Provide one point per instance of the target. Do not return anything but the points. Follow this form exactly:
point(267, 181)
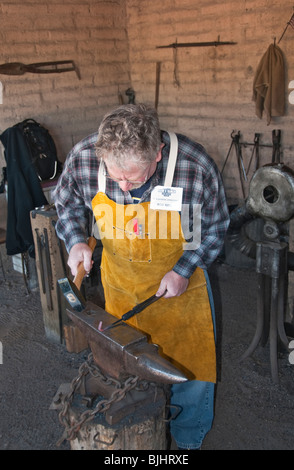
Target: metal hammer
point(71, 289)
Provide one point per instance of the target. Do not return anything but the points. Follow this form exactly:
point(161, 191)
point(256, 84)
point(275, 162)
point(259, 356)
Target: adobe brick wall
point(92, 34)
point(113, 43)
point(214, 96)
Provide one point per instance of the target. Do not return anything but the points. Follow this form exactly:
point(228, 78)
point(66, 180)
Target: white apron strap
point(101, 177)
point(173, 153)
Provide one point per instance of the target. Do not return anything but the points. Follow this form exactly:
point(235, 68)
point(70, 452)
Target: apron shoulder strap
point(101, 177)
point(173, 153)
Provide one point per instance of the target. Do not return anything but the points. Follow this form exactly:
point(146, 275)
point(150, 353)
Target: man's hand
point(173, 284)
point(80, 253)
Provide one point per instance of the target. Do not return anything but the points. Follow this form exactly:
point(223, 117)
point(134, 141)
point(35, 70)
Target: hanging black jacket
point(24, 192)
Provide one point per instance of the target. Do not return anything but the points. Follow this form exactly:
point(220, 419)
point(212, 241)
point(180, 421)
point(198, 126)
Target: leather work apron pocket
point(127, 238)
point(130, 247)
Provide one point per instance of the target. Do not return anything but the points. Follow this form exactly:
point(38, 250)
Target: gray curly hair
point(128, 134)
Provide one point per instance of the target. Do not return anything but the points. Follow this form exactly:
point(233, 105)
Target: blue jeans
point(195, 400)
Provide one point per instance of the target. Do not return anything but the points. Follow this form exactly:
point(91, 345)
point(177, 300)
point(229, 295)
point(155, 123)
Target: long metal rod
point(281, 311)
point(260, 317)
point(274, 330)
point(289, 22)
point(196, 44)
point(134, 311)
point(158, 67)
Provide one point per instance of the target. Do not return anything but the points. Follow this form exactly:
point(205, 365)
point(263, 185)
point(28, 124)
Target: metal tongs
point(137, 309)
point(59, 66)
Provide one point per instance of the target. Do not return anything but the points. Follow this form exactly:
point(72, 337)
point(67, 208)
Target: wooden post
point(135, 421)
point(147, 433)
point(50, 268)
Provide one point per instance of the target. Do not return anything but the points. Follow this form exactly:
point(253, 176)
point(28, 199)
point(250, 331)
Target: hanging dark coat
point(24, 192)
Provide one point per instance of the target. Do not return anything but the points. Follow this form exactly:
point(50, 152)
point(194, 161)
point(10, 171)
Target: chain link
point(72, 427)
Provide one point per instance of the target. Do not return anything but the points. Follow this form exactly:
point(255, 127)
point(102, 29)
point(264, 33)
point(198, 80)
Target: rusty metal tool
point(256, 152)
point(197, 44)
point(276, 137)
point(17, 68)
point(158, 69)
point(242, 172)
point(71, 289)
point(137, 309)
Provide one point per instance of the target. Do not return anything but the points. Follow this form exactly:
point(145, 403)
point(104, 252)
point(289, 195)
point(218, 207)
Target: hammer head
point(72, 294)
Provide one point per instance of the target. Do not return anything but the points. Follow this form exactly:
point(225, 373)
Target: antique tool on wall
point(276, 137)
point(242, 172)
point(60, 66)
point(238, 145)
point(197, 44)
point(291, 23)
point(157, 84)
point(255, 152)
point(176, 45)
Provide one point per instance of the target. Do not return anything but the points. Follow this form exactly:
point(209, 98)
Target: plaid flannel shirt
point(195, 172)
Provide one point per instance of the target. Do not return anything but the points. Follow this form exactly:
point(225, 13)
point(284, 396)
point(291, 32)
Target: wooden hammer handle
point(81, 270)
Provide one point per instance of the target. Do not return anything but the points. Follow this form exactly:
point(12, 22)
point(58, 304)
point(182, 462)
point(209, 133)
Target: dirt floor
point(251, 412)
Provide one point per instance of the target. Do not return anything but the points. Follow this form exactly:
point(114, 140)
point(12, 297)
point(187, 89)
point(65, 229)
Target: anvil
point(123, 351)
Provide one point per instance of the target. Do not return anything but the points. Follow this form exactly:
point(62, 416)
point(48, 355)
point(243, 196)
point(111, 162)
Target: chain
point(72, 427)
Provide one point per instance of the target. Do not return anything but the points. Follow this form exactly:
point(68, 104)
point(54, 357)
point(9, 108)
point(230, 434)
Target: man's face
point(134, 176)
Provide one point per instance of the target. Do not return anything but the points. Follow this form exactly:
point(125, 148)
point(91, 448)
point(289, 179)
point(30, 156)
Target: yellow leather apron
point(133, 264)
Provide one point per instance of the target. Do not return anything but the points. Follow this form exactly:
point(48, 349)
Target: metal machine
point(271, 199)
